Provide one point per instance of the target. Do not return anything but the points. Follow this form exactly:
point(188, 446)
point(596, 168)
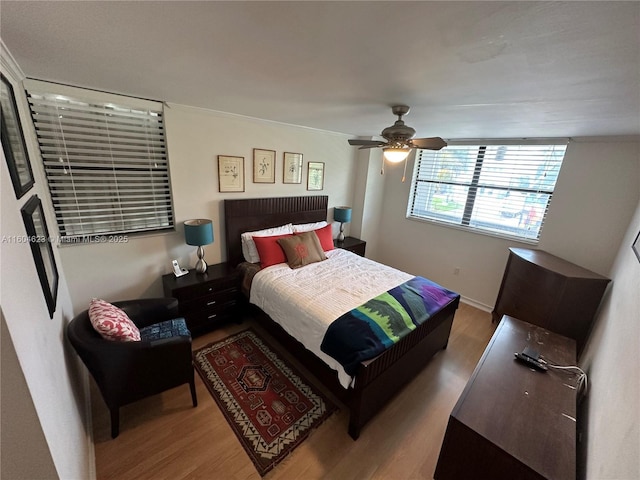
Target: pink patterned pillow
point(111, 322)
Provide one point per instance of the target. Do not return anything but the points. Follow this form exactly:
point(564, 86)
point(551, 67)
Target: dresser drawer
point(203, 320)
point(213, 301)
point(204, 289)
point(223, 310)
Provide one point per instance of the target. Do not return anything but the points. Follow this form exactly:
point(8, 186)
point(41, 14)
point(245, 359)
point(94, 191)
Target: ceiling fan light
point(395, 155)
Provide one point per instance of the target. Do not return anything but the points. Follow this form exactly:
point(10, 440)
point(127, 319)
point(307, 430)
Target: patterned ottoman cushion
point(167, 329)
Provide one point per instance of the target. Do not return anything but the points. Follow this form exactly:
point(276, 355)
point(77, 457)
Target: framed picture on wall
point(292, 168)
point(264, 166)
point(230, 173)
point(315, 175)
point(13, 144)
point(40, 242)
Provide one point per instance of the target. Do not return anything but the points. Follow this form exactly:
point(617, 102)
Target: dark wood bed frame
point(377, 380)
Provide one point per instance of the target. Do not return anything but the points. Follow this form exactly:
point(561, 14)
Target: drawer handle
point(212, 316)
point(210, 303)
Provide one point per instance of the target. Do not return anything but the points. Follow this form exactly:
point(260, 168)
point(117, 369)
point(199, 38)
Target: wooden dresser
point(545, 290)
point(513, 422)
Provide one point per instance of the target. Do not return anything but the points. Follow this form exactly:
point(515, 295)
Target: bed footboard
point(380, 379)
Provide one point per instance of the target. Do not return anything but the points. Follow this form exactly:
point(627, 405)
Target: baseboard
point(476, 304)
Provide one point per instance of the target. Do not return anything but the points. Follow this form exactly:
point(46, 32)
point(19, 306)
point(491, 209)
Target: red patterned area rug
point(269, 405)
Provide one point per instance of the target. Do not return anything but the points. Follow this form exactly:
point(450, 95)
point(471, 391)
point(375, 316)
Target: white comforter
point(306, 300)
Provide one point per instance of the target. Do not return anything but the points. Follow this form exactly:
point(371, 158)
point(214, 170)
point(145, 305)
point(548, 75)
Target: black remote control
point(530, 361)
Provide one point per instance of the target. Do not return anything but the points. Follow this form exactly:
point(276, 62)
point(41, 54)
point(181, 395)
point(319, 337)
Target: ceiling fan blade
point(370, 143)
point(382, 144)
point(432, 143)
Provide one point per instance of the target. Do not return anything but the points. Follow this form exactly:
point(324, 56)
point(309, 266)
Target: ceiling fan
point(399, 139)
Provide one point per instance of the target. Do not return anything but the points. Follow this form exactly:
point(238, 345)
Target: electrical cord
point(582, 376)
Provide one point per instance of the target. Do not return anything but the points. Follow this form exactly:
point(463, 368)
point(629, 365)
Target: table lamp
point(342, 215)
point(199, 232)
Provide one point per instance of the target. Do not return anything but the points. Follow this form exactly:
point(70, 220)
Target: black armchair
point(129, 371)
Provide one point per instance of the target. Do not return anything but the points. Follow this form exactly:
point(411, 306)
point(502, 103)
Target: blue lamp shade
point(342, 214)
point(198, 232)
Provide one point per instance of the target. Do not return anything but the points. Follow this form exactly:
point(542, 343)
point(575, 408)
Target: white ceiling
point(467, 69)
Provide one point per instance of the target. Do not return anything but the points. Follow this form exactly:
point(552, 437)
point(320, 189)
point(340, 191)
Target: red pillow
point(325, 235)
point(269, 250)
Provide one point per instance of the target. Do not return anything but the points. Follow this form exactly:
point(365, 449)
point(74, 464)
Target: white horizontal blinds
point(515, 187)
point(442, 183)
point(105, 161)
point(501, 189)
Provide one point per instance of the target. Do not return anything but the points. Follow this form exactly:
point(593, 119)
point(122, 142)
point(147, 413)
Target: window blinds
point(105, 160)
point(501, 189)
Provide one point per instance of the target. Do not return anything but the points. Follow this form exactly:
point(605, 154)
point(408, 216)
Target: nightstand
point(207, 299)
point(352, 244)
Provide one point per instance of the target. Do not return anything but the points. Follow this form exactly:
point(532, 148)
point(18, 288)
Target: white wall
point(611, 359)
point(368, 198)
point(21, 434)
point(56, 381)
point(194, 138)
point(595, 197)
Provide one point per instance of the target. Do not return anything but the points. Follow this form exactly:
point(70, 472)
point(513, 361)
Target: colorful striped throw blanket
point(371, 328)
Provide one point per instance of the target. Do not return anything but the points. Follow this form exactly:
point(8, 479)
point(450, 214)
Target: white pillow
point(307, 227)
point(249, 249)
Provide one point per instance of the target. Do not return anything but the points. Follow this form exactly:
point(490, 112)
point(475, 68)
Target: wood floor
point(164, 437)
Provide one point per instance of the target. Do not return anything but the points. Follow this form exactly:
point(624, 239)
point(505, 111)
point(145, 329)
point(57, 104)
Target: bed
point(374, 381)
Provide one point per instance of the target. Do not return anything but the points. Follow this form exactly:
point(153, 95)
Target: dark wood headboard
point(251, 214)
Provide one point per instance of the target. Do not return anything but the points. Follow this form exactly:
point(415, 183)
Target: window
point(499, 189)
point(105, 161)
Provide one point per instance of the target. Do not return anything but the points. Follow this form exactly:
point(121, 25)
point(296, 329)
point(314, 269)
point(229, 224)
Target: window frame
point(474, 185)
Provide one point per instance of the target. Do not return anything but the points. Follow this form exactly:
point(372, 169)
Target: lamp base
point(341, 234)
point(201, 265)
